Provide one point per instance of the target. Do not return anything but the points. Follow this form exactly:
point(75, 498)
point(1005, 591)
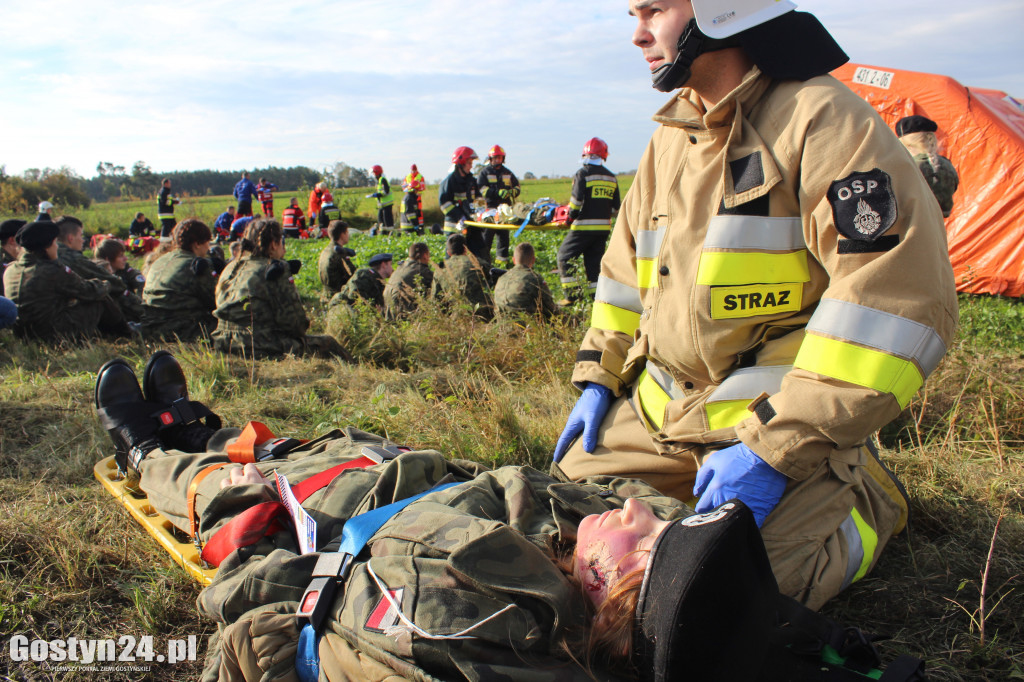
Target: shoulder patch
point(863, 205)
point(199, 266)
point(275, 270)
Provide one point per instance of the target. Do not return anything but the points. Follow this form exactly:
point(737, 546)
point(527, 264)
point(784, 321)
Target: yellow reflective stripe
point(862, 366)
point(614, 318)
point(869, 539)
point(718, 268)
point(578, 227)
point(653, 399)
point(726, 413)
point(756, 299)
point(646, 274)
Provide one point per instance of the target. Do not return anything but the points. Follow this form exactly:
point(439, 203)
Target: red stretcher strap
point(265, 518)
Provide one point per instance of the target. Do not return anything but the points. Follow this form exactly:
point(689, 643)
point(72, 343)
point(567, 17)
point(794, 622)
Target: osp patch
point(384, 615)
point(863, 205)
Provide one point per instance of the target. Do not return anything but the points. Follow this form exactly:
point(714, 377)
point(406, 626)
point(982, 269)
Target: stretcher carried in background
point(174, 541)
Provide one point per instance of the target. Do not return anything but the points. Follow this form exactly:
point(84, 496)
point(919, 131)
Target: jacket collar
point(686, 110)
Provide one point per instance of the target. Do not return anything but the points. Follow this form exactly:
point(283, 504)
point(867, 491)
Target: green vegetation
point(73, 564)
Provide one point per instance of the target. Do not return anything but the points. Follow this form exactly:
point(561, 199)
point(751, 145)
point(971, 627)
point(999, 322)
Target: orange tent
point(982, 133)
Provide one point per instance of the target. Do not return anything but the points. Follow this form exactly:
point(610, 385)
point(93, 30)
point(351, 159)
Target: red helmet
point(496, 150)
point(414, 169)
point(597, 147)
point(462, 155)
point(378, 171)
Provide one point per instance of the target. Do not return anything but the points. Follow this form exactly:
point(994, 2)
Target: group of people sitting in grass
point(247, 305)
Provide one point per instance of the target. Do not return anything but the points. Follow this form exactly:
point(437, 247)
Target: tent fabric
point(982, 132)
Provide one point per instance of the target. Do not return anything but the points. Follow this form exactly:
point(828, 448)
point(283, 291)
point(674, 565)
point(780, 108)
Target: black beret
point(379, 258)
point(915, 124)
point(455, 240)
point(9, 228)
point(37, 236)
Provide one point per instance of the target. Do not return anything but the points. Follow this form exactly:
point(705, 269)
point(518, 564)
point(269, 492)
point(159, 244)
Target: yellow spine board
point(496, 226)
point(184, 553)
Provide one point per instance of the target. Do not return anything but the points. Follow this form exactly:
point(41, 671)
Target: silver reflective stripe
point(618, 294)
point(648, 242)
point(605, 178)
point(884, 331)
point(750, 382)
point(754, 232)
point(593, 221)
point(663, 379)
point(854, 548)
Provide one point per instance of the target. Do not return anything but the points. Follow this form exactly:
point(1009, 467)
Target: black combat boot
point(186, 425)
point(126, 415)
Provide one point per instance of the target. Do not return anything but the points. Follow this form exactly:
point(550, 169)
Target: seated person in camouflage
point(70, 242)
point(504, 574)
point(411, 281)
point(521, 291)
point(53, 302)
point(9, 249)
point(179, 296)
point(258, 308)
point(918, 135)
point(112, 251)
point(335, 264)
point(462, 277)
point(367, 284)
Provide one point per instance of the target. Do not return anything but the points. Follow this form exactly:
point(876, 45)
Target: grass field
point(73, 564)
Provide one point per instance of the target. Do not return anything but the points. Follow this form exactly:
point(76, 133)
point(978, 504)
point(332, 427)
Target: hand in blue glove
point(585, 418)
point(738, 472)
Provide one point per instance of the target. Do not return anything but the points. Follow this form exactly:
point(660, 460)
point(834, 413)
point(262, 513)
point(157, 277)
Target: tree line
point(20, 194)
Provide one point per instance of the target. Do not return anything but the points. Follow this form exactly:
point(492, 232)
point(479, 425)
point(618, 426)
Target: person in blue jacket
point(244, 192)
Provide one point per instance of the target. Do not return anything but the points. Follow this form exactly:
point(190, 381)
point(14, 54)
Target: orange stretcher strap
point(243, 449)
point(190, 500)
point(264, 519)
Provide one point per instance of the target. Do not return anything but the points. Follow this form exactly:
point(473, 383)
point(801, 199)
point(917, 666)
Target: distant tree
point(344, 175)
point(529, 176)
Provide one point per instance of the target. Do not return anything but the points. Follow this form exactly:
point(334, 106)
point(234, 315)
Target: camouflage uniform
point(410, 281)
point(943, 181)
point(54, 303)
point(133, 280)
point(5, 260)
point(260, 313)
point(452, 559)
point(130, 304)
point(179, 297)
point(461, 278)
point(365, 284)
point(335, 267)
point(521, 290)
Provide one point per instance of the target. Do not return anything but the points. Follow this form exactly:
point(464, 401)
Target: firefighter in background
point(294, 220)
point(412, 203)
point(594, 200)
point(456, 194)
point(497, 185)
point(316, 199)
point(384, 197)
point(165, 203)
point(265, 194)
point(328, 213)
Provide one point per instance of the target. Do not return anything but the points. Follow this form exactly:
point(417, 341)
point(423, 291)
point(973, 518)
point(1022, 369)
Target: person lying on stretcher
point(482, 574)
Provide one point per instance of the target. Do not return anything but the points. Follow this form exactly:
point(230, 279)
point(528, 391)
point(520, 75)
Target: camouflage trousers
point(827, 531)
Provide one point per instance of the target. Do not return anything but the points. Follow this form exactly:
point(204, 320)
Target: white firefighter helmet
point(724, 18)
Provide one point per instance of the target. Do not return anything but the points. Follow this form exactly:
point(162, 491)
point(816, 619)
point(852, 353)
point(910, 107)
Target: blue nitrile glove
point(737, 471)
point(585, 417)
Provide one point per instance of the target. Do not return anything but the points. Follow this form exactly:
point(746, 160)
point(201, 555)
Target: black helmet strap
point(692, 43)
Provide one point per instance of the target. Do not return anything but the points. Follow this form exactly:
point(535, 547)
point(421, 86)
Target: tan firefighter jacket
point(782, 244)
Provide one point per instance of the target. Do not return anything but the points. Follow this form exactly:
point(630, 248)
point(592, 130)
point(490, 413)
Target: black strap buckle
point(330, 570)
point(178, 412)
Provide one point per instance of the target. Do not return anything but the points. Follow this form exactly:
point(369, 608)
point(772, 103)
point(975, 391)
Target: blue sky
point(211, 84)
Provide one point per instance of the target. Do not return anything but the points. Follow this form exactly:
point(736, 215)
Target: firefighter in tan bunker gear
point(754, 321)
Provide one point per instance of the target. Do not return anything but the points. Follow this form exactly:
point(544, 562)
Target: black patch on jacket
point(588, 356)
point(764, 411)
point(755, 207)
point(199, 266)
point(275, 270)
point(880, 245)
point(863, 205)
point(747, 173)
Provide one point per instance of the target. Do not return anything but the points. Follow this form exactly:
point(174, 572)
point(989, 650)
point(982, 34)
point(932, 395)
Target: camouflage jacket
point(460, 278)
point(410, 281)
point(259, 310)
point(53, 302)
point(129, 303)
point(335, 268)
point(521, 290)
point(450, 559)
point(365, 284)
point(5, 260)
point(179, 297)
point(943, 181)
point(133, 280)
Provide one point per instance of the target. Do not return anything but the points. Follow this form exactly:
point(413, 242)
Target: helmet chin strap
point(692, 44)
